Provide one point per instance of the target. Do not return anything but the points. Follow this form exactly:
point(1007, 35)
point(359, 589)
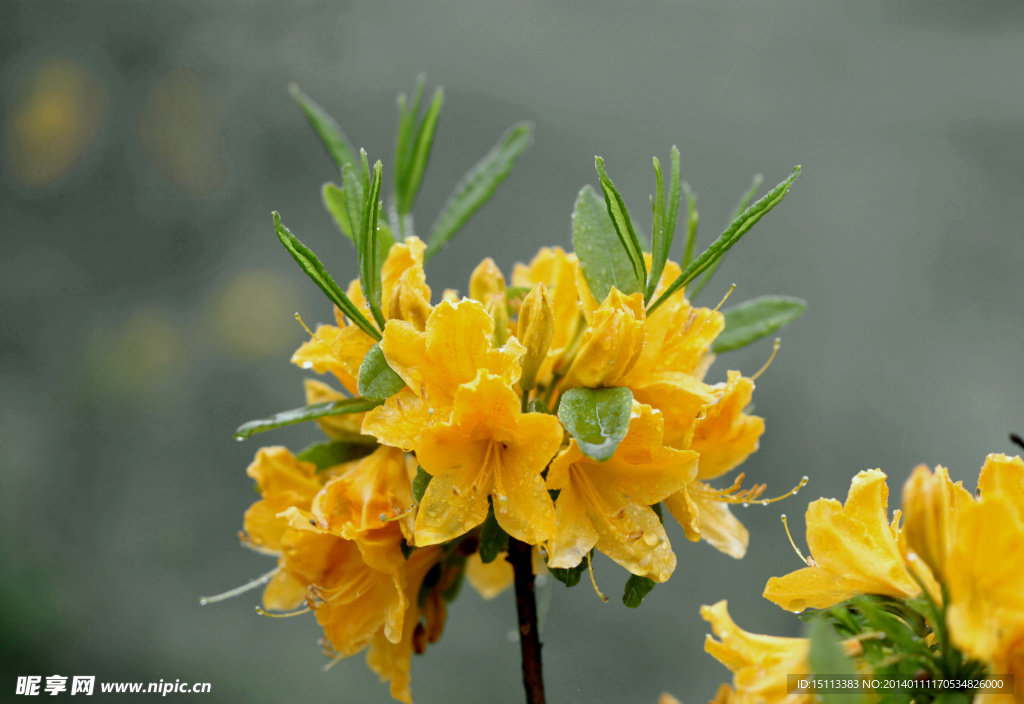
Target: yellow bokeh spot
point(251, 317)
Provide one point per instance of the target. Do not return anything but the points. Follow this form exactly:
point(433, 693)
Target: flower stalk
point(520, 555)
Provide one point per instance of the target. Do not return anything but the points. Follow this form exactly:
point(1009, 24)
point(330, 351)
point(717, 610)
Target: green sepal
point(377, 380)
point(306, 413)
point(739, 227)
point(369, 268)
point(334, 452)
point(570, 577)
point(420, 483)
point(636, 589)
point(537, 405)
point(756, 318)
point(598, 419)
point(493, 538)
point(334, 140)
point(741, 205)
point(309, 263)
point(623, 225)
point(603, 260)
point(826, 659)
point(478, 185)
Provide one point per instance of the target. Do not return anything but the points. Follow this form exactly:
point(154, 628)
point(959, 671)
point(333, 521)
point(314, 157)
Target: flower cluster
point(939, 598)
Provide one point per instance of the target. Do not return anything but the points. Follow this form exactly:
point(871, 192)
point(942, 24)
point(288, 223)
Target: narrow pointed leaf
point(826, 657)
point(309, 263)
point(672, 206)
point(493, 538)
point(478, 185)
point(353, 186)
point(306, 413)
point(623, 225)
point(330, 454)
point(404, 141)
point(692, 221)
point(598, 419)
point(377, 380)
point(741, 205)
point(661, 238)
point(334, 201)
point(753, 319)
point(420, 155)
point(602, 257)
point(636, 589)
point(334, 140)
point(569, 577)
point(369, 268)
point(739, 227)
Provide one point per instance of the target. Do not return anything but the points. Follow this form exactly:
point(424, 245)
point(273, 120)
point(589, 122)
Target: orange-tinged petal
point(339, 427)
point(449, 510)
point(489, 579)
point(680, 398)
point(611, 344)
point(1005, 474)
point(283, 481)
point(683, 507)
point(726, 436)
point(368, 496)
point(349, 348)
point(284, 592)
point(704, 517)
point(319, 354)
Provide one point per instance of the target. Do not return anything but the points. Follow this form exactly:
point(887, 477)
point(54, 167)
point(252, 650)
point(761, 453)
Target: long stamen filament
point(775, 351)
point(793, 542)
point(263, 612)
point(590, 568)
point(259, 581)
point(384, 518)
point(724, 299)
point(311, 333)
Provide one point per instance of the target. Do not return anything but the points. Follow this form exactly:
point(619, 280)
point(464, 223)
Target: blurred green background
point(146, 306)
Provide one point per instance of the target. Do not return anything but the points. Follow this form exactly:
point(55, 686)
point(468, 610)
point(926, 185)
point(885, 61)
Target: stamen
point(775, 351)
point(398, 516)
point(793, 543)
point(306, 328)
point(204, 600)
point(334, 661)
point(263, 612)
point(590, 568)
point(724, 298)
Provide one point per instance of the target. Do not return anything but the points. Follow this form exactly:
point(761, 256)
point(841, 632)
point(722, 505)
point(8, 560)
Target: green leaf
point(692, 221)
point(353, 200)
point(602, 258)
point(741, 205)
point(404, 140)
point(420, 483)
point(301, 415)
point(739, 227)
point(330, 454)
point(664, 222)
point(569, 577)
point(493, 538)
point(827, 659)
point(752, 320)
point(420, 153)
point(636, 589)
point(309, 263)
point(623, 225)
point(334, 140)
point(598, 419)
point(334, 201)
point(478, 185)
point(369, 265)
point(377, 380)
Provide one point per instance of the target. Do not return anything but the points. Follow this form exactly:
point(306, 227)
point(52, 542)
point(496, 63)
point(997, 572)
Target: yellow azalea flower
point(391, 659)
point(854, 550)
point(931, 507)
point(611, 344)
point(607, 504)
point(489, 447)
point(557, 271)
point(343, 427)
point(454, 346)
point(283, 481)
point(760, 664)
point(724, 437)
point(489, 579)
point(535, 329)
point(486, 281)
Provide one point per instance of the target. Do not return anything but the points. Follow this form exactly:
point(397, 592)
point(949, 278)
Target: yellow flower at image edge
point(488, 448)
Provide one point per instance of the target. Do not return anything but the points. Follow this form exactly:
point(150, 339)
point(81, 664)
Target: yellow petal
point(680, 398)
point(283, 481)
point(448, 510)
point(399, 421)
point(931, 505)
point(611, 344)
point(338, 427)
point(486, 281)
point(575, 535)
point(726, 436)
point(319, 354)
point(489, 579)
point(1005, 474)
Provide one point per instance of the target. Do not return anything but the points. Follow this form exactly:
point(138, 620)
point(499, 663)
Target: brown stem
point(521, 556)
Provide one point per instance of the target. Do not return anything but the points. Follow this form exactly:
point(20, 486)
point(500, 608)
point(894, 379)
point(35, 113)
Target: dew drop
point(745, 504)
point(307, 365)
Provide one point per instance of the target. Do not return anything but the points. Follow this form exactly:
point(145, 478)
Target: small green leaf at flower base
point(334, 201)
point(327, 129)
point(636, 589)
point(569, 577)
point(493, 538)
point(377, 380)
point(306, 413)
point(330, 454)
point(756, 318)
point(827, 659)
point(478, 185)
point(598, 419)
point(420, 483)
point(603, 259)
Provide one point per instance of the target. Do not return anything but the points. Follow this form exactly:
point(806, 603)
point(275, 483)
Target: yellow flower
point(986, 588)
point(344, 427)
point(489, 447)
point(283, 481)
point(760, 664)
point(454, 346)
point(611, 345)
point(489, 579)
point(931, 506)
point(486, 281)
point(724, 437)
point(607, 504)
point(535, 329)
point(854, 550)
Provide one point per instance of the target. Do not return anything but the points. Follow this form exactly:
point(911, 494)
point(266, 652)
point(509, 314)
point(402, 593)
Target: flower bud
point(497, 308)
point(486, 281)
point(535, 330)
point(407, 303)
point(930, 502)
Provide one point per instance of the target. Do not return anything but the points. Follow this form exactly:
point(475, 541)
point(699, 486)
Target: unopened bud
point(535, 330)
point(486, 281)
point(407, 303)
point(497, 308)
point(930, 502)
